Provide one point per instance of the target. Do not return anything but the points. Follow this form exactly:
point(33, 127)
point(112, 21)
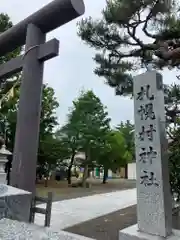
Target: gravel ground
point(61, 191)
point(107, 227)
point(102, 228)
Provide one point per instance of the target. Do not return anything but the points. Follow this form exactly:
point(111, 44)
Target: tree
point(9, 102)
point(89, 120)
point(121, 46)
point(48, 118)
point(172, 106)
point(5, 24)
point(49, 147)
point(48, 121)
point(48, 156)
point(69, 137)
point(114, 153)
point(9, 107)
point(127, 130)
point(174, 163)
point(5, 85)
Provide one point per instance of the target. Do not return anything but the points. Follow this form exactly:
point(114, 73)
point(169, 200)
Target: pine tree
point(130, 35)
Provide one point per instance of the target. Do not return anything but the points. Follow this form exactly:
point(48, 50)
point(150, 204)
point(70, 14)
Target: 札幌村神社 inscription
point(31, 32)
point(153, 192)
point(147, 154)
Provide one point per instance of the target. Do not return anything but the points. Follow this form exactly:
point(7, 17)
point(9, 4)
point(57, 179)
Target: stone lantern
point(4, 153)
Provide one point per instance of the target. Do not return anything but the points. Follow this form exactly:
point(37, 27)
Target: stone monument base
point(132, 233)
point(14, 230)
point(14, 203)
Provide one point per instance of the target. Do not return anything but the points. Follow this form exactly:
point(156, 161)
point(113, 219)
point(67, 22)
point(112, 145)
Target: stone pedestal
point(14, 203)
point(3, 159)
point(14, 230)
point(132, 233)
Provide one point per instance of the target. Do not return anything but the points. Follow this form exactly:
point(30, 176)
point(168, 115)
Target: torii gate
point(32, 32)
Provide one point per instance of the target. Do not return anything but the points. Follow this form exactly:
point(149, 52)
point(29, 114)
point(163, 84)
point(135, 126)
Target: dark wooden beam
point(11, 67)
point(45, 52)
point(48, 50)
point(50, 17)
point(24, 162)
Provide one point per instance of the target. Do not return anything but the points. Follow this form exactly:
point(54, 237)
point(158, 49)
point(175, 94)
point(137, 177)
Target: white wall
point(131, 170)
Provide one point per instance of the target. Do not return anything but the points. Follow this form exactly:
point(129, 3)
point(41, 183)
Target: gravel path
point(67, 213)
point(61, 191)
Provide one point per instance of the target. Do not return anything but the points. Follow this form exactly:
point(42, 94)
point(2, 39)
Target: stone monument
point(154, 200)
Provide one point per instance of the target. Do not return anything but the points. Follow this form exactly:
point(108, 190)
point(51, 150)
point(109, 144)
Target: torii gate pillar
point(32, 32)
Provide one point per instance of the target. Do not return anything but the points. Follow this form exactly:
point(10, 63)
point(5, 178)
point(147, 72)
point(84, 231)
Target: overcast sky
point(73, 69)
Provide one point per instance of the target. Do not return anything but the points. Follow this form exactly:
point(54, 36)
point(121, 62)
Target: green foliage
point(67, 145)
point(68, 136)
point(120, 46)
point(114, 153)
point(48, 121)
point(8, 116)
point(49, 153)
point(127, 131)
point(174, 163)
point(86, 129)
point(172, 104)
point(91, 121)
point(5, 24)
point(48, 113)
point(8, 110)
point(172, 107)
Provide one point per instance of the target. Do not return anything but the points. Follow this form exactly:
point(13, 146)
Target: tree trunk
point(70, 168)
point(69, 174)
point(126, 171)
point(105, 175)
point(47, 176)
point(85, 176)
point(46, 182)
